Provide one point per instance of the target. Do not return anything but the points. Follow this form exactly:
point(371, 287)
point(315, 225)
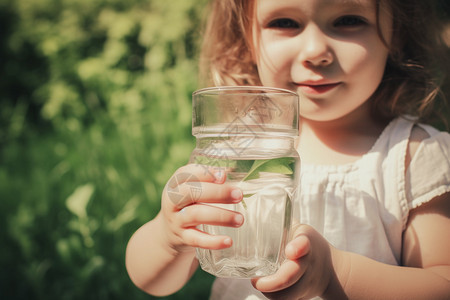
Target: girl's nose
point(314, 48)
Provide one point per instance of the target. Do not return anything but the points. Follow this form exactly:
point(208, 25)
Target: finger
point(195, 215)
point(289, 273)
point(199, 239)
point(196, 173)
point(192, 192)
point(298, 247)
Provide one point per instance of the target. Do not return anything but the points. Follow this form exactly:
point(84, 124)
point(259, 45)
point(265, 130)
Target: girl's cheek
point(273, 60)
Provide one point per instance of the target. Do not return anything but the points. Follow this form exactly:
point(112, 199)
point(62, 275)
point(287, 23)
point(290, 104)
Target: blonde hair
point(414, 70)
point(227, 50)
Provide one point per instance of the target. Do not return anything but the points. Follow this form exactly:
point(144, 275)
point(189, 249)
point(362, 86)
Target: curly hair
point(414, 71)
point(227, 50)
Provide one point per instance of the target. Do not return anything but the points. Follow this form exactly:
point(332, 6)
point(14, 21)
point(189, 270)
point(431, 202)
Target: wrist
point(341, 266)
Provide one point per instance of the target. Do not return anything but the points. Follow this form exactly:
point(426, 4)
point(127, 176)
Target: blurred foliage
point(95, 117)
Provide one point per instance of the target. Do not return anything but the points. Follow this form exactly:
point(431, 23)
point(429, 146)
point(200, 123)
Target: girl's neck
point(340, 141)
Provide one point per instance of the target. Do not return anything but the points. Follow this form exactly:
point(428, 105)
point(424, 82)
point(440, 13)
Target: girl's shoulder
point(418, 134)
point(415, 142)
point(427, 163)
point(414, 160)
point(406, 130)
point(425, 140)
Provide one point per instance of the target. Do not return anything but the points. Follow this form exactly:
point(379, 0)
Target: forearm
point(359, 277)
point(155, 267)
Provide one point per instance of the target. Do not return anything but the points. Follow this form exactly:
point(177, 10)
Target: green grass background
point(95, 115)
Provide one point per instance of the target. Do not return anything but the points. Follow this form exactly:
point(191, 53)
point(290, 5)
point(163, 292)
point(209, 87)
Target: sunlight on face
point(329, 51)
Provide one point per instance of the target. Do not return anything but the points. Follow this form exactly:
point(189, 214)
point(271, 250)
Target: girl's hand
point(307, 270)
point(184, 206)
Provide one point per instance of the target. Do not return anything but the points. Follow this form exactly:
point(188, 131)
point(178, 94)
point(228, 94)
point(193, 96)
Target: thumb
point(298, 247)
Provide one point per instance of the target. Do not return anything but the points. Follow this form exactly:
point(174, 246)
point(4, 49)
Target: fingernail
point(238, 219)
point(292, 252)
point(219, 175)
point(227, 242)
point(236, 194)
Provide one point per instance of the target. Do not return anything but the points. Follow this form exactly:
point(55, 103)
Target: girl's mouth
point(316, 89)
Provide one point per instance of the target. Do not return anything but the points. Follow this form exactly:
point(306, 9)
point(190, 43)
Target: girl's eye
point(350, 21)
point(283, 23)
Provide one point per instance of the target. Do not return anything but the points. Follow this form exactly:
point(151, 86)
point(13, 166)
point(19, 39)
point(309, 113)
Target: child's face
point(328, 51)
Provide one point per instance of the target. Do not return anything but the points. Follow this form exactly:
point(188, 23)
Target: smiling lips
point(316, 88)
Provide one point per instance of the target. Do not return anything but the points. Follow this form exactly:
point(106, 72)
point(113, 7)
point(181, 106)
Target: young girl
point(375, 184)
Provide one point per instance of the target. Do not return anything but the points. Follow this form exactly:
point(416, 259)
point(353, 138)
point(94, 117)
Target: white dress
point(363, 207)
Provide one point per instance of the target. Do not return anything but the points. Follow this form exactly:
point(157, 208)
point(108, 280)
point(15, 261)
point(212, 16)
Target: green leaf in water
point(243, 202)
point(243, 165)
point(276, 165)
point(280, 165)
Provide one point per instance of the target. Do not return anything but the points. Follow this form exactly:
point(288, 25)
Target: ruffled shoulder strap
point(428, 175)
point(393, 143)
point(394, 139)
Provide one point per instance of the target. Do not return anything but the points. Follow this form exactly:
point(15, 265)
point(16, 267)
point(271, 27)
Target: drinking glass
point(248, 132)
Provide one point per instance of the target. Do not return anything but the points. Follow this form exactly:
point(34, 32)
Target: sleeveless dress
point(362, 207)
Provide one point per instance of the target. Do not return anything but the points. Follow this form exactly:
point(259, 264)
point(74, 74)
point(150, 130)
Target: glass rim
point(243, 89)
